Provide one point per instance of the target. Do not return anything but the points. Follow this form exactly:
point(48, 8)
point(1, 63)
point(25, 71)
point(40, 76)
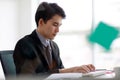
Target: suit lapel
point(54, 55)
point(42, 57)
point(41, 49)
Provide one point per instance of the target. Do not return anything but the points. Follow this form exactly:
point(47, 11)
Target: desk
point(38, 77)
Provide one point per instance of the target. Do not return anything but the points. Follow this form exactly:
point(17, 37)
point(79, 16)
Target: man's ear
point(41, 22)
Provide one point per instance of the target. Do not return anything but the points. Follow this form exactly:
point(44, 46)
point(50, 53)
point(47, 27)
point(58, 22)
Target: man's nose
point(57, 29)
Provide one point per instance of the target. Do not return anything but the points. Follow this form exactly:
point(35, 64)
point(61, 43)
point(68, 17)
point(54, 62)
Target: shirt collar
point(42, 39)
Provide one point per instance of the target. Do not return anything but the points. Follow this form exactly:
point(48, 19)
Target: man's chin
point(51, 38)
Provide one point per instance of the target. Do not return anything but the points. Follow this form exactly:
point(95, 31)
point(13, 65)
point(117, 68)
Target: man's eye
point(55, 24)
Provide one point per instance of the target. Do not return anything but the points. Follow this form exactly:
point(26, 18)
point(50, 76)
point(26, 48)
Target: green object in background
point(103, 35)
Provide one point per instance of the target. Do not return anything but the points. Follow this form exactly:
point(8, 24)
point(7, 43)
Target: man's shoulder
point(25, 46)
point(24, 39)
point(28, 38)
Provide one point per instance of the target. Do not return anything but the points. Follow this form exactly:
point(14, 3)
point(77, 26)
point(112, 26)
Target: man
point(37, 53)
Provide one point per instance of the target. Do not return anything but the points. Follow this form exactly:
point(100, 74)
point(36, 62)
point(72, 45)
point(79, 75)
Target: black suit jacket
point(29, 59)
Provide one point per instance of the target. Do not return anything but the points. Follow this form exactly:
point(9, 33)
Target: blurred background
point(82, 16)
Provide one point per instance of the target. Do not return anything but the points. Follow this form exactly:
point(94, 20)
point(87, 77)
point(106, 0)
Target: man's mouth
point(54, 34)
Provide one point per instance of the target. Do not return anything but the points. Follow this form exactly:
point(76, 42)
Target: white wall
point(15, 21)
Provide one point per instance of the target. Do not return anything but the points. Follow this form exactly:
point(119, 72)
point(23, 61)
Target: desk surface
point(109, 76)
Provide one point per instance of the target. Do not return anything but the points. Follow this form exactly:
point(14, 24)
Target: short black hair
point(47, 10)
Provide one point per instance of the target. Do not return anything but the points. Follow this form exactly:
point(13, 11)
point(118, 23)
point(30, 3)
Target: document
point(59, 76)
point(95, 73)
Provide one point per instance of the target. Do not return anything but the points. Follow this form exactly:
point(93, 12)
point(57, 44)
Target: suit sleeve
point(22, 58)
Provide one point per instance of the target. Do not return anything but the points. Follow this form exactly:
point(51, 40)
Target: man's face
point(50, 29)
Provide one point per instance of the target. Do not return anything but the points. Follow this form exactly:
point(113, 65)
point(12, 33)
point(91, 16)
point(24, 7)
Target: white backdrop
point(15, 21)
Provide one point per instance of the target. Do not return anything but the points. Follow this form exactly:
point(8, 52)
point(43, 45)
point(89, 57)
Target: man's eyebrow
point(57, 23)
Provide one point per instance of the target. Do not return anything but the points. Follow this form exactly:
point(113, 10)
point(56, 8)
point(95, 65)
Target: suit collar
point(35, 37)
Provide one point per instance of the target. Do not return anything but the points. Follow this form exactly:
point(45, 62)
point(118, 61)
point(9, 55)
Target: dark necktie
point(48, 56)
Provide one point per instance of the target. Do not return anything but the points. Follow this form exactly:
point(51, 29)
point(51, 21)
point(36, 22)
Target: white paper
point(95, 73)
point(59, 76)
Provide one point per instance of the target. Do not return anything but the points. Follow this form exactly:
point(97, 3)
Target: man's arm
point(81, 69)
point(23, 58)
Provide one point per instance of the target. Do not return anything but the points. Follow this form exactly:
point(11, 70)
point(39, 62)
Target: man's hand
point(80, 69)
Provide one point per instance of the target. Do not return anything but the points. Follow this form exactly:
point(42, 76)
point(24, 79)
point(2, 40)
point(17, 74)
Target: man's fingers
point(91, 67)
point(87, 68)
point(83, 68)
